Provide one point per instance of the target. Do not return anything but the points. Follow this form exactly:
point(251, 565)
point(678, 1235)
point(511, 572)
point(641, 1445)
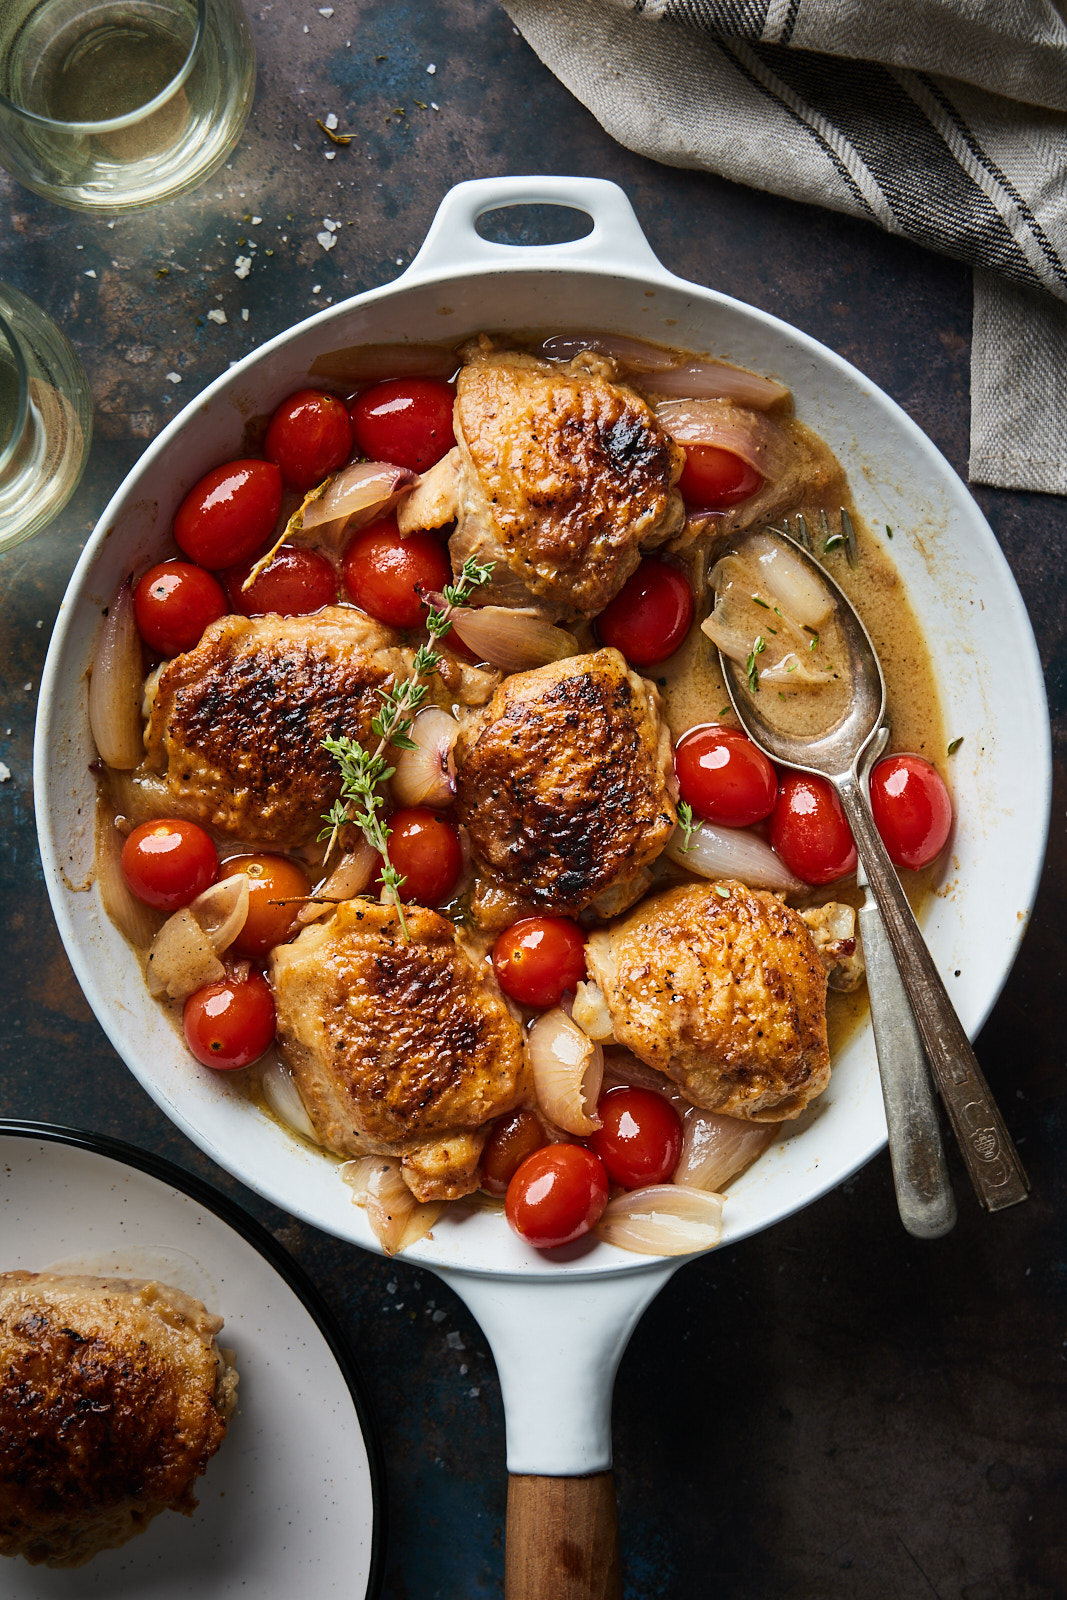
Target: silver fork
point(827, 539)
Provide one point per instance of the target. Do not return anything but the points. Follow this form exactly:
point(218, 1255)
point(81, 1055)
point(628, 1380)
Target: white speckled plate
point(292, 1503)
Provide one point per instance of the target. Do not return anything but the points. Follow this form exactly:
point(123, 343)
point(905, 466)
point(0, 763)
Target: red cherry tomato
point(715, 478)
point(168, 862)
point(309, 437)
point(426, 851)
point(271, 879)
point(809, 829)
point(723, 776)
point(640, 1137)
point(230, 1023)
point(513, 1138)
point(296, 583)
point(538, 959)
point(556, 1195)
point(650, 615)
point(231, 512)
point(912, 810)
point(406, 421)
point(381, 571)
point(173, 604)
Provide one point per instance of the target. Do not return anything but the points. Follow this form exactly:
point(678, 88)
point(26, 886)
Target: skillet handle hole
point(534, 225)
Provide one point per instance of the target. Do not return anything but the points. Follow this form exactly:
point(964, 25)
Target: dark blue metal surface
point(832, 1409)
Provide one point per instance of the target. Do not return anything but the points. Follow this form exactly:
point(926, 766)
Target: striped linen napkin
point(942, 120)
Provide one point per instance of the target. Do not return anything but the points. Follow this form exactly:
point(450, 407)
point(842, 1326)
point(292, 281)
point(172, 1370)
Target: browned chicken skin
point(398, 1048)
point(113, 1398)
point(237, 724)
point(563, 782)
point(561, 478)
point(721, 988)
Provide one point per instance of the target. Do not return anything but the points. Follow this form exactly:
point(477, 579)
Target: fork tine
point(803, 536)
point(850, 537)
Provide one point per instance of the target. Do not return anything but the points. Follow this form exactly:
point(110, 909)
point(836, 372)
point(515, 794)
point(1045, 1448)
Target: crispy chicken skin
point(560, 477)
point(237, 724)
point(563, 783)
point(725, 993)
point(114, 1396)
point(398, 1048)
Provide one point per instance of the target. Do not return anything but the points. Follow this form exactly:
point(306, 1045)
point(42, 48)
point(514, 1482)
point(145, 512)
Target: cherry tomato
point(538, 959)
point(723, 776)
point(167, 863)
point(513, 1138)
point(270, 879)
point(230, 1023)
point(640, 1137)
point(381, 571)
point(912, 810)
point(173, 604)
point(309, 437)
point(650, 615)
point(296, 583)
point(556, 1195)
point(229, 514)
point(426, 851)
point(715, 478)
point(406, 421)
point(809, 829)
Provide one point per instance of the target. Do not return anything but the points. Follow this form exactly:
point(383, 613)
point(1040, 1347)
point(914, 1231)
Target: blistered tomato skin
point(810, 831)
point(426, 851)
point(229, 514)
point(557, 1195)
point(513, 1138)
point(276, 885)
point(715, 479)
point(912, 810)
point(297, 583)
point(168, 862)
point(383, 572)
point(231, 1023)
point(640, 1136)
point(309, 437)
point(173, 603)
point(650, 616)
point(724, 777)
point(405, 421)
point(539, 959)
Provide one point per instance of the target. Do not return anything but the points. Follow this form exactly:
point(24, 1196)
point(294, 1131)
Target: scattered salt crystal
point(464, 1369)
point(90, 273)
point(244, 314)
point(390, 1287)
point(111, 224)
point(329, 154)
point(474, 1393)
point(242, 266)
point(217, 315)
point(174, 377)
point(315, 287)
point(400, 261)
point(434, 106)
point(218, 297)
point(5, 772)
point(256, 221)
point(326, 11)
point(326, 240)
point(454, 1341)
point(438, 1316)
point(79, 247)
point(27, 687)
point(305, 27)
point(331, 121)
point(296, 147)
point(431, 69)
point(328, 222)
point(39, 623)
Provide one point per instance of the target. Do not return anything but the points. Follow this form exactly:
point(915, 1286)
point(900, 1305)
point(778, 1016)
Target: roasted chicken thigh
point(564, 784)
point(114, 1396)
point(721, 988)
point(398, 1047)
point(560, 478)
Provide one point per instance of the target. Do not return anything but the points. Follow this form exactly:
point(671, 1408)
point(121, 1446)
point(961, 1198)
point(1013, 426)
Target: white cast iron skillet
point(558, 1324)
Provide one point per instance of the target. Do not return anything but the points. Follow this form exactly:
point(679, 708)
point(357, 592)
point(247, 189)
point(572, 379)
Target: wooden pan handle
point(562, 1539)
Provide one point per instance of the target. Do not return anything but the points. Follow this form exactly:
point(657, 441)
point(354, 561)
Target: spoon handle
point(990, 1156)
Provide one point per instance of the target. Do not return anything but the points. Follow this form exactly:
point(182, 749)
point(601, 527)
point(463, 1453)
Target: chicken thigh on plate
point(561, 478)
point(564, 783)
point(720, 987)
point(402, 1047)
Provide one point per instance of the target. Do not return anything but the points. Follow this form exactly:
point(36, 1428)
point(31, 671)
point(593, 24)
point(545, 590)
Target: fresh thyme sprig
point(363, 772)
point(758, 647)
point(687, 825)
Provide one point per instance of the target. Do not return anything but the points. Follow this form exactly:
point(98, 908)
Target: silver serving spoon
point(837, 754)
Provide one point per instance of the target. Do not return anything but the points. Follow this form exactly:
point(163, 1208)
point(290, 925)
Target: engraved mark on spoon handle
point(990, 1156)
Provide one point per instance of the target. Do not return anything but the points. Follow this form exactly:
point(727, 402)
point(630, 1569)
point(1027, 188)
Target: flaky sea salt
point(5, 772)
point(331, 121)
point(216, 314)
point(174, 377)
point(326, 240)
point(431, 69)
point(242, 266)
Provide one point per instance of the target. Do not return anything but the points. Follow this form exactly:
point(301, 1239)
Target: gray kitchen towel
point(941, 120)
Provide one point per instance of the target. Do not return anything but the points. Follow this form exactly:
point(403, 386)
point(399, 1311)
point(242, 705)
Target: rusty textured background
point(832, 1410)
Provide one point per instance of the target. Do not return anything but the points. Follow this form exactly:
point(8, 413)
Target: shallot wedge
point(514, 639)
point(663, 374)
point(138, 922)
point(663, 1220)
point(352, 497)
point(423, 776)
point(222, 910)
point(757, 439)
point(397, 1219)
point(182, 958)
point(716, 1149)
point(568, 1068)
point(283, 1098)
point(353, 874)
point(116, 688)
point(715, 852)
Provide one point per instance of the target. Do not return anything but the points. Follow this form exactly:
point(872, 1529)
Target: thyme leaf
point(758, 647)
point(687, 825)
point(954, 746)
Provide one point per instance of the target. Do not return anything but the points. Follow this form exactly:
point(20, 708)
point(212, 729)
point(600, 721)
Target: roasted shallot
point(763, 443)
point(512, 638)
point(137, 921)
point(663, 1220)
point(568, 1068)
point(115, 686)
point(716, 852)
point(715, 1149)
point(397, 1219)
point(663, 374)
point(182, 958)
point(353, 874)
point(283, 1098)
point(423, 775)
